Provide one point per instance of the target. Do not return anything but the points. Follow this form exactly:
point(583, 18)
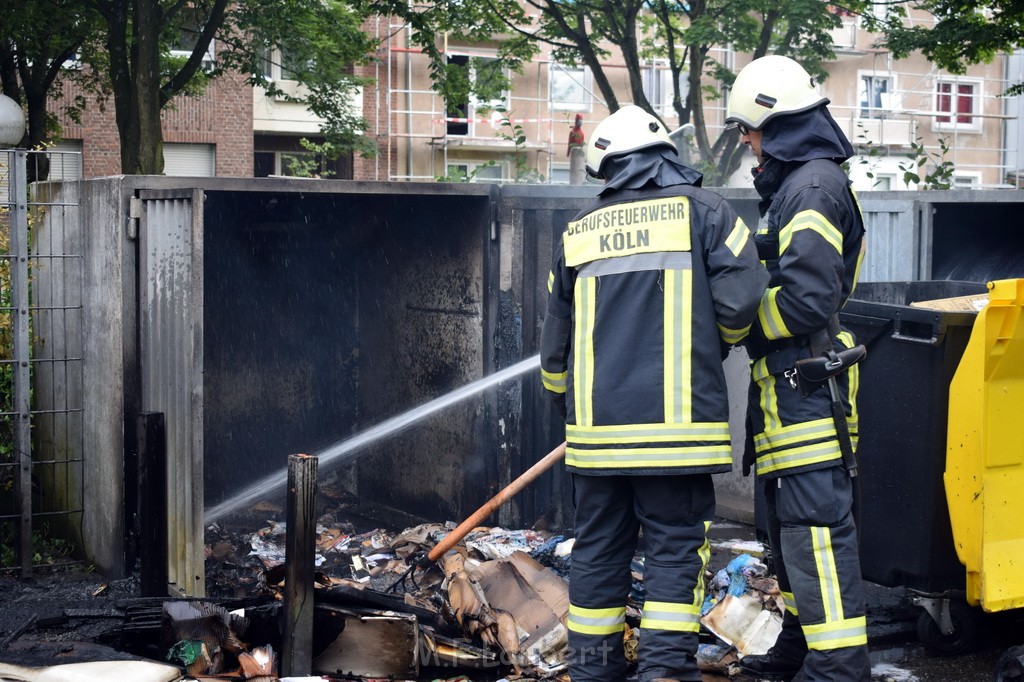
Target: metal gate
point(40, 360)
point(171, 365)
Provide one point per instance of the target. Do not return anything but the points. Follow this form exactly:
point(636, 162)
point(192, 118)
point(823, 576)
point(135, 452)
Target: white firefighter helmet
point(769, 87)
point(627, 130)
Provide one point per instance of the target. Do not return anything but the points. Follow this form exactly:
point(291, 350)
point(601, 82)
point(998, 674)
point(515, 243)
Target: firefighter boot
point(783, 661)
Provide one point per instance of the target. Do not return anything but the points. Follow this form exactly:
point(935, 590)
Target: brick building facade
point(221, 120)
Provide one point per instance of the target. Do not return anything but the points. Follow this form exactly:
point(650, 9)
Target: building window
point(185, 41)
point(280, 64)
point(487, 80)
point(878, 10)
point(560, 174)
point(956, 104)
point(476, 171)
point(657, 81)
point(966, 180)
point(295, 163)
point(875, 95)
point(569, 88)
point(884, 183)
point(189, 160)
point(65, 160)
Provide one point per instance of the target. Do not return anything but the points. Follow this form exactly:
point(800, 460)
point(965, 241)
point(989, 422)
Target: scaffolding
point(903, 124)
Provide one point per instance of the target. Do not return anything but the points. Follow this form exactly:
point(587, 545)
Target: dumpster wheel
point(964, 620)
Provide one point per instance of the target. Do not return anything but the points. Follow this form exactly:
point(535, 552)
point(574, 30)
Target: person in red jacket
point(576, 136)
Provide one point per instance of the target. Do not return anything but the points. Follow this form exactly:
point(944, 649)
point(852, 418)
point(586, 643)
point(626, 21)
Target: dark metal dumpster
point(903, 405)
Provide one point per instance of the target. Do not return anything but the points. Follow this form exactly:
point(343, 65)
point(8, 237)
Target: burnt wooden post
point(300, 557)
point(151, 437)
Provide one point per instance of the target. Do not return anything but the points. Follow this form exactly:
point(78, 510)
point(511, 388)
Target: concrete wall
point(109, 369)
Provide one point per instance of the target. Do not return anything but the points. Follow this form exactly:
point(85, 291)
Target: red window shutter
point(965, 103)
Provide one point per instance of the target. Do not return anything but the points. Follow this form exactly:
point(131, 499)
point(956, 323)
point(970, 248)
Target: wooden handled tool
point(488, 508)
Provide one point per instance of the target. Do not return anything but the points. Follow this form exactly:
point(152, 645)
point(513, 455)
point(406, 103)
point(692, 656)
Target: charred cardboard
point(531, 604)
point(971, 304)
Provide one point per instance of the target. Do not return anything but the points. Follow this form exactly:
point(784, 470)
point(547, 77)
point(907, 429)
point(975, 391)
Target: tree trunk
point(39, 168)
point(147, 158)
point(121, 81)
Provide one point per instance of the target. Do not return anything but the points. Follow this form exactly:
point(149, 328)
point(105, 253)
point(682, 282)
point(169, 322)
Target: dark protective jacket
point(811, 239)
point(648, 287)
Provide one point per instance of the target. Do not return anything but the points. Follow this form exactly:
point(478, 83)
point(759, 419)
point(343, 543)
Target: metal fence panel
point(171, 365)
point(40, 360)
point(893, 252)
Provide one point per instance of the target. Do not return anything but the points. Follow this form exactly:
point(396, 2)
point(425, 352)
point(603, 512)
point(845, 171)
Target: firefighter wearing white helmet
point(628, 130)
point(804, 433)
point(650, 285)
point(769, 87)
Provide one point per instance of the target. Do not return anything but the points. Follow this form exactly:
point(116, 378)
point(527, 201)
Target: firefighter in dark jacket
point(650, 286)
point(811, 238)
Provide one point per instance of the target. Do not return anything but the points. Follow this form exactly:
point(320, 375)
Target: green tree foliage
point(40, 37)
point(123, 49)
point(126, 46)
point(964, 33)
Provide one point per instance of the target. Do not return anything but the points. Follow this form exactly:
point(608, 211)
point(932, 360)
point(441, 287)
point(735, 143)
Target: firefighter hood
point(804, 136)
point(656, 167)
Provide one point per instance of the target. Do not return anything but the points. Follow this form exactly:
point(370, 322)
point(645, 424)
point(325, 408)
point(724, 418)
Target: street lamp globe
point(12, 122)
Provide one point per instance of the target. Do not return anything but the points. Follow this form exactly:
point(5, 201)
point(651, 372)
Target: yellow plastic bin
point(984, 477)
point(985, 452)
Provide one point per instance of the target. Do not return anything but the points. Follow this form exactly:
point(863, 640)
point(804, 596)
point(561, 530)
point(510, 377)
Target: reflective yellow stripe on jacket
point(678, 346)
point(648, 445)
point(585, 301)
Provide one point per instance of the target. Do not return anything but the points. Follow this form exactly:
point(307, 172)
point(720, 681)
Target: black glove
point(749, 454)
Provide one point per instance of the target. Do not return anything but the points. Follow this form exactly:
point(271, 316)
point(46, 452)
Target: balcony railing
point(844, 38)
point(885, 132)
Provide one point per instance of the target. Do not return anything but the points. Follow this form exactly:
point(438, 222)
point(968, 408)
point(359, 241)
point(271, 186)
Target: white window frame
point(471, 165)
point(207, 58)
point(878, 9)
point(891, 179)
point(888, 104)
point(478, 106)
point(274, 58)
point(966, 180)
point(976, 99)
point(582, 77)
point(658, 76)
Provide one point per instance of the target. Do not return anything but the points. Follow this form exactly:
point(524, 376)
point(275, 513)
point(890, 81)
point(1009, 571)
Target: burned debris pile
point(489, 604)
point(495, 603)
point(492, 608)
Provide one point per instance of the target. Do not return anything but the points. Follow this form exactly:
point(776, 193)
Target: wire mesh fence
point(41, 411)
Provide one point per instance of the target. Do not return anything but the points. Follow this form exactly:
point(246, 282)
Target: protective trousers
point(674, 513)
point(814, 539)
